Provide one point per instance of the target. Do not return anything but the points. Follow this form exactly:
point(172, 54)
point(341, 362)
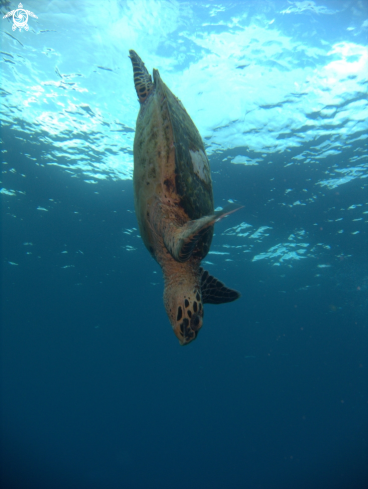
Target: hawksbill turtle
point(174, 202)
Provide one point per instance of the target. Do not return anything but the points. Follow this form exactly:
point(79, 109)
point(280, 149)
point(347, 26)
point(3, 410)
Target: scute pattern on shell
point(193, 176)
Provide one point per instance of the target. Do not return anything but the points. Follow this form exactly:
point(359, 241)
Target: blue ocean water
point(96, 390)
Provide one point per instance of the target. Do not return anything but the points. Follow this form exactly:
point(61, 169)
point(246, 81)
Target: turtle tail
point(142, 79)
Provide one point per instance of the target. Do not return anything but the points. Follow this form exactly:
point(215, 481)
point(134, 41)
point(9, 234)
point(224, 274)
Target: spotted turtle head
point(185, 311)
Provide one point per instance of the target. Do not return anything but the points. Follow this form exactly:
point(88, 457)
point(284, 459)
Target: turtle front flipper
point(181, 241)
point(142, 79)
point(215, 292)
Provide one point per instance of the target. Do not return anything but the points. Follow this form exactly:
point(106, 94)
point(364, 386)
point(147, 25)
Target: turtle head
point(185, 311)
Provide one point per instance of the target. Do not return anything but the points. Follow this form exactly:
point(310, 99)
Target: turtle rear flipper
point(181, 241)
point(142, 79)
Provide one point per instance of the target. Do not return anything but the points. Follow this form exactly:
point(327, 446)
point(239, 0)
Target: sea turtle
point(174, 202)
